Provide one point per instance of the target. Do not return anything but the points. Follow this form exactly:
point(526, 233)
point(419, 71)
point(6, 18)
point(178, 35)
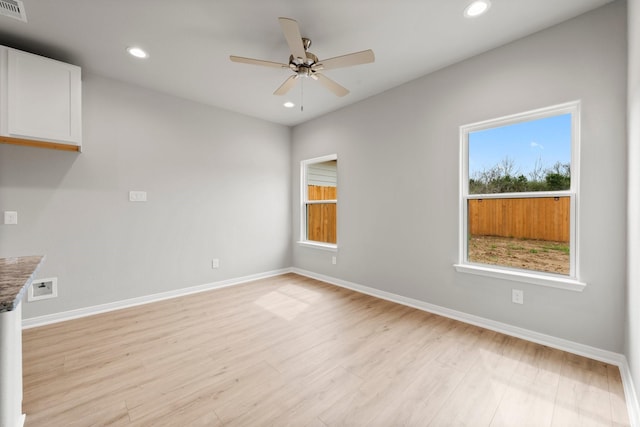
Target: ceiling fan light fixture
point(289, 104)
point(477, 8)
point(137, 52)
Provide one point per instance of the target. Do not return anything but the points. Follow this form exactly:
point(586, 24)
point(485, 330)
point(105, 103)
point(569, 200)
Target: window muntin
point(518, 187)
point(319, 201)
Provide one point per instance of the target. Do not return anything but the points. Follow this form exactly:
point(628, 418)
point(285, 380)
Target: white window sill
point(541, 279)
point(319, 245)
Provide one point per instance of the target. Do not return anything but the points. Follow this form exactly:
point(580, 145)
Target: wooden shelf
point(39, 144)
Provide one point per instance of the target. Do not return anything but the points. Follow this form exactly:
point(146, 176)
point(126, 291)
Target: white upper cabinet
point(40, 98)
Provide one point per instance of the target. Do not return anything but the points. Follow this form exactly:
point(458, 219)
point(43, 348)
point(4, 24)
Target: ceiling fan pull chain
point(302, 96)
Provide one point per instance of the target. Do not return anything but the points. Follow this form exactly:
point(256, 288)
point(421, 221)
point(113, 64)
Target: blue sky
point(547, 139)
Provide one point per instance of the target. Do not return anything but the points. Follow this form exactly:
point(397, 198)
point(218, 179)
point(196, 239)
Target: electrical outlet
point(215, 263)
point(43, 289)
point(517, 296)
point(10, 217)
point(137, 196)
point(334, 260)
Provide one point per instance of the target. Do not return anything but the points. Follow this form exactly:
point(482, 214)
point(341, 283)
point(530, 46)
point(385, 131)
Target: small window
point(518, 189)
point(319, 195)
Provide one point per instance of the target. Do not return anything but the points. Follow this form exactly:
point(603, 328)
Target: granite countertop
point(16, 274)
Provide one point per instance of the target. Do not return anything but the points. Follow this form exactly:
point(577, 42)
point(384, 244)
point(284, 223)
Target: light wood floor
point(292, 351)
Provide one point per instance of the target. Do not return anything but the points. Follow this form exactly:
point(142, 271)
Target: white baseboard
point(550, 341)
point(117, 305)
point(630, 394)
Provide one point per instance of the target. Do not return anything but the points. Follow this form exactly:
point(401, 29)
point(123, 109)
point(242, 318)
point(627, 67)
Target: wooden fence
point(317, 192)
point(321, 217)
point(539, 218)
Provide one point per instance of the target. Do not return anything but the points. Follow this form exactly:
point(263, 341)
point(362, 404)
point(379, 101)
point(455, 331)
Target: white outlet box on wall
point(517, 296)
point(137, 196)
point(43, 289)
point(10, 217)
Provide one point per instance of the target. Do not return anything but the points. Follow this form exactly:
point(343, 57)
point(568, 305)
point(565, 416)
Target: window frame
point(570, 281)
point(304, 201)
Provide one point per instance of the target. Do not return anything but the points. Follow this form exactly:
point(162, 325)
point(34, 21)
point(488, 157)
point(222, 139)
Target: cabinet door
point(44, 98)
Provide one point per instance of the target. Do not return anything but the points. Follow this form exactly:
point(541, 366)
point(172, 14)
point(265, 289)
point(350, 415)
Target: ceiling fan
point(305, 64)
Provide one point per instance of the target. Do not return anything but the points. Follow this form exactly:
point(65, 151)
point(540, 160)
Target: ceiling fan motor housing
point(305, 68)
point(311, 59)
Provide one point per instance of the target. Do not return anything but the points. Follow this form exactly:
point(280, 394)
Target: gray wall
point(225, 186)
point(218, 187)
point(399, 232)
point(633, 256)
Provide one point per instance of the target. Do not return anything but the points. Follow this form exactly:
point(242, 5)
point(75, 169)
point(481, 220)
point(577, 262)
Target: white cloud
point(536, 145)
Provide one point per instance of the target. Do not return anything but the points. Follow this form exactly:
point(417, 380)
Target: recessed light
point(137, 52)
point(289, 104)
point(477, 8)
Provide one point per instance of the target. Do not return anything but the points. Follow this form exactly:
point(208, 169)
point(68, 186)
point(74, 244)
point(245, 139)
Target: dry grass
point(538, 255)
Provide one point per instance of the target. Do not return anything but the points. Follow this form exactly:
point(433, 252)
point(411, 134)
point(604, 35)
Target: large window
point(319, 195)
point(519, 185)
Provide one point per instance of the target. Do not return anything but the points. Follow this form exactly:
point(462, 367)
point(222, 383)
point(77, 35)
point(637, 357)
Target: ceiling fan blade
point(286, 86)
point(331, 85)
point(294, 39)
point(257, 62)
point(364, 57)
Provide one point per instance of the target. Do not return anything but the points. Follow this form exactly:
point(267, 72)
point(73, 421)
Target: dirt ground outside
point(538, 255)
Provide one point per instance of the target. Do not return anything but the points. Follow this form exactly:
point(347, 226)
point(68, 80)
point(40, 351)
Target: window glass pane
point(320, 205)
point(322, 180)
point(533, 155)
point(527, 233)
point(321, 222)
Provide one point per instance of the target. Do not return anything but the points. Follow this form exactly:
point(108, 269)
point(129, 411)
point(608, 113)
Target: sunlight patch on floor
point(288, 301)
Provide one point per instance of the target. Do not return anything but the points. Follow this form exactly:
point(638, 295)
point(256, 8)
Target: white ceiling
point(189, 42)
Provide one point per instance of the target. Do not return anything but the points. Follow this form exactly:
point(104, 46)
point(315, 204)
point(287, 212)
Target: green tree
point(504, 177)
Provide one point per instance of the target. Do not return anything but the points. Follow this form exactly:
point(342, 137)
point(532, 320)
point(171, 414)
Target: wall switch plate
point(43, 289)
point(10, 217)
point(137, 196)
point(517, 296)
point(215, 263)
point(334, 260)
